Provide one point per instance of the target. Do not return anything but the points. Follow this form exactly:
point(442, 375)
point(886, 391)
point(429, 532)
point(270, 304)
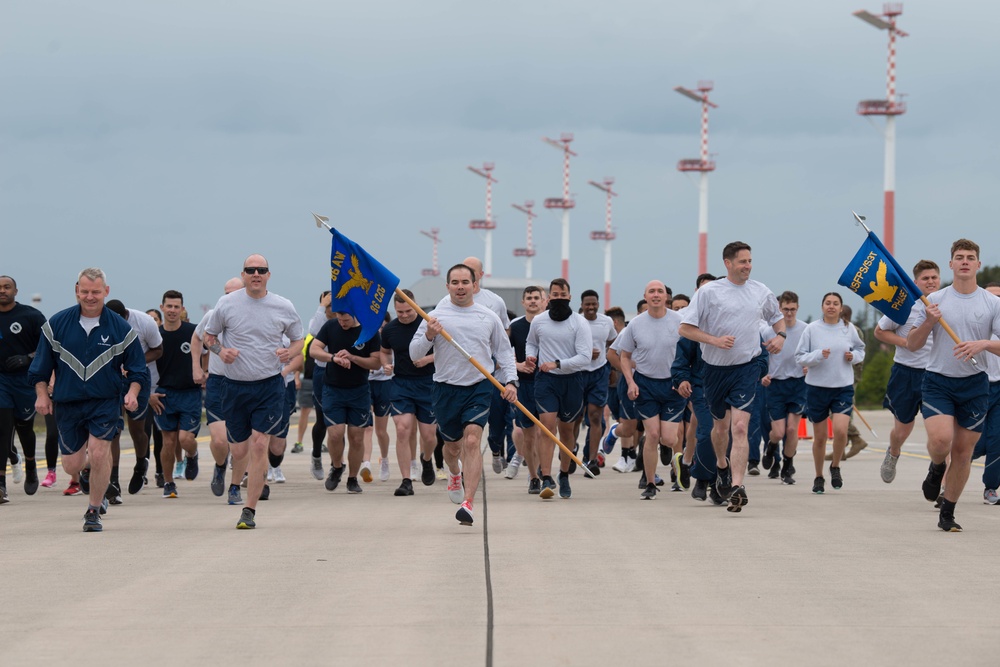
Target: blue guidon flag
point(359, 285)
point(875, 276)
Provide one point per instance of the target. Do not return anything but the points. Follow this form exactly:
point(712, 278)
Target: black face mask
point(559, 309)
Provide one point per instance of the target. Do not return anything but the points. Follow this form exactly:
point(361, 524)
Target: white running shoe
point(383, 470)
point(456, 491)
point(514, 466)
point(270, 475)
point(624, 464)
point(990, 497)
point(317, 467)
point(366, 471)
point(279, 477)
point(888, 467)
point(179, 469)
point(17, 470)
point(415, 469)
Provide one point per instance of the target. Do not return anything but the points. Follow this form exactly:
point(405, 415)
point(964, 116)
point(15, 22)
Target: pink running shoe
point(73, 489)
point(50, 479)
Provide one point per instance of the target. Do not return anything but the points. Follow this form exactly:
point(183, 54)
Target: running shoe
point(191, 467)
point(170, 490)
point(700, 490)
point(768, 460)
point(888, 468)
point(774, 472)
point(715, 496)
point(138, 477)
point(270, 474)
point(17, 471)
point(611, 439)
point(4, 498)
point(265, 493)
point(324, 448)
point(218, 484)
point(753, 469)
point(234, 495)
point(946, 519)
point(441, 474)
point(30, 481)
point(92, 521)
point(564, 490)
point(279, 477)
point(594, 468)
point(85, 480)
point(682, 471)
point(665, 455)
point(464, 513)
point(548, 488)
point(534, 486)
point(103, 509)
point(366, 472)
point(819, 485)
point(297, 448)
point(333, 479)
point(158, 478)
point(624, 464)
point(724, 480)
point(73, 489)
point(836, 481)
point(415, 469)
point(50, 478)
point(405, 489)
point(932, 483)
point(939, 502)
point(456, 492)
point(498, 463)
point(383, 470)
point(179, 469)
point(514, 466)
point(572, 462)
point(990, 497)
point(113, 495)
point(317, 467)
point(601, 458)
point(246, 521)
point(352, 485)
point(427, 476)
point(738, 500)
point(649, 493)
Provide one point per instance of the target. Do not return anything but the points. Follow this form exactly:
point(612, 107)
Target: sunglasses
point(250, 270)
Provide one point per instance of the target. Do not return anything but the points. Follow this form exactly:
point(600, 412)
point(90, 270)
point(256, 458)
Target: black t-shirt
point(396, 336)
point(518, 339)
point(20, 330)
point(336, 338)
point(174, 366)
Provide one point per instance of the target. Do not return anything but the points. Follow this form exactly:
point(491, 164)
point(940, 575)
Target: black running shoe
point(85, 480)
point(738, 500)
point(685, 477)
point(564, 490)
point(92, 522)
point(427, 476)
point(724, 480)
point(218, 484)
point(819, 485)
point(333, 479)
point(405, 489)
point(30, 480)
point(352, 485)
point(939, 502)
point(700, 490)
point(768, 460)
point(666, 454)
point(774, 472)
point(114, 494)
point(138, 477)
point(534, 486)
point(4, 498)
point(946, 519)
point(191, 467)
point(836, 481)
point(594, 467)
point(548, 488)
point(265, 493)
point(753, 469)
point(932, 483)
point(649, 493)
point(158, 478)
point(715, 496)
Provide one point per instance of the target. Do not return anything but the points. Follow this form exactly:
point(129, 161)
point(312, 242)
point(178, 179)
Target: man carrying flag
point(461, 393)
point(955, 386)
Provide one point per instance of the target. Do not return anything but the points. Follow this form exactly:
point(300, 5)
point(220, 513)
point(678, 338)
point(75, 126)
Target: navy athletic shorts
point(786, 397)
point(181, 410)
point(731, 387)
point(253, 406)
point(902, 394)
point(76, 421)
point(561, 394)
point(966, 399)
point(351, 406)
point(821, 402)
point(455, 407)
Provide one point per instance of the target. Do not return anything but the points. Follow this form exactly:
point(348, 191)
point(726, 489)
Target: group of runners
point(711, 386)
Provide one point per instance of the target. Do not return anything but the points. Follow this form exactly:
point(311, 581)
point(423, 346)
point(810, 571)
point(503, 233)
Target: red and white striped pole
point(565, 202)
point(607, 235)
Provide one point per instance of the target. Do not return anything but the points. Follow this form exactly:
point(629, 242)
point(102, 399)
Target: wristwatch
point(517, 385)
point(783, 334)
point(558, 364)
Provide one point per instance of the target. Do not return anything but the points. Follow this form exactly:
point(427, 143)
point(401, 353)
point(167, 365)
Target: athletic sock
point(275, 459)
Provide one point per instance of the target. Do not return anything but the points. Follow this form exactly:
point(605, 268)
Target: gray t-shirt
point(723, 308)
point(973, 316)
point(568, 341)
point(216, 366)
point(602, 332)
point(903, 356)
point(149, 337)
point(254, 327)
point(652, 342)
point(834, 371)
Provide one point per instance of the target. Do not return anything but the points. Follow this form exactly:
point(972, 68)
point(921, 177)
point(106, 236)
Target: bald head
point(232, 285)
point(255, 260)
point(474, 264)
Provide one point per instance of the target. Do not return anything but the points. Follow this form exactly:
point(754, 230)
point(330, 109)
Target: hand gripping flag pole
point(892, 292)
point(377, 312)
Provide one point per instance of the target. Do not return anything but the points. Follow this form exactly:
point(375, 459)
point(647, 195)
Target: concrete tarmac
point(857, 576)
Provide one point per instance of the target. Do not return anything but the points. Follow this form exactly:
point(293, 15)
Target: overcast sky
point(166, 141)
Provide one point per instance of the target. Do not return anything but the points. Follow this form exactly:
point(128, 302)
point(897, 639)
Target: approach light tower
point(489, 224)
point(565, 202)
point(703, 165)
point(529, 251)
point(889, 108)
point(433, 236)
point(606, 235)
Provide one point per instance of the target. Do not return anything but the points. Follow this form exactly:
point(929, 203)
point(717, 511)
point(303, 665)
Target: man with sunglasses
point(253, 321)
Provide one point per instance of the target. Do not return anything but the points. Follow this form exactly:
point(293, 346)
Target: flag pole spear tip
point(321, 220)
point(861, 221)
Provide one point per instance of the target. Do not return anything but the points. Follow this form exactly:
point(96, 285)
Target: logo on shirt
point(186, 348)
point(15, 328)
point(105, 339)
point(359, 347)
point(357, 279)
